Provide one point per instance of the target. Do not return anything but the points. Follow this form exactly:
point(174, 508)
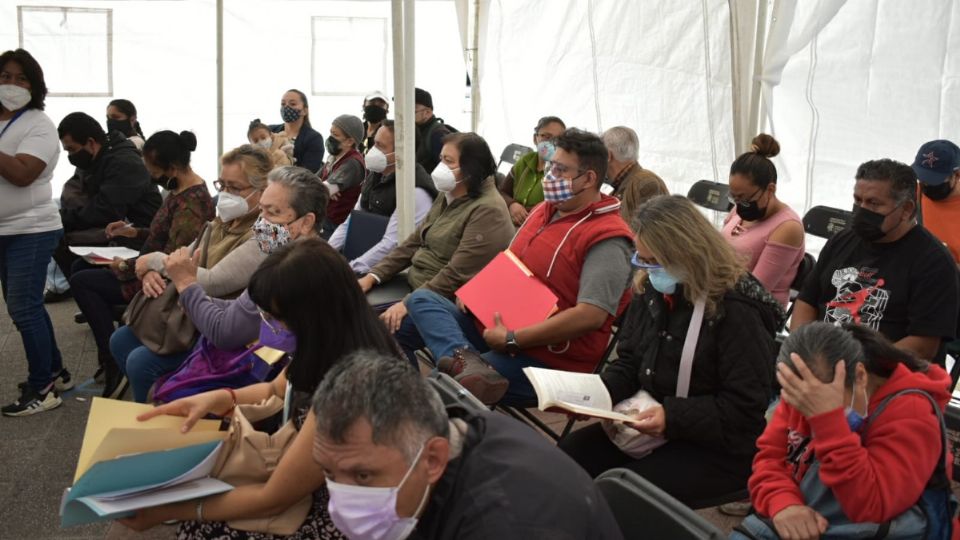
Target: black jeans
point(96, 291)
point(689, 472)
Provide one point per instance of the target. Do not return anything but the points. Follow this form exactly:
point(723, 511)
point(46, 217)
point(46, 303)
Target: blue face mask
point(854, 419)
point(662, 281)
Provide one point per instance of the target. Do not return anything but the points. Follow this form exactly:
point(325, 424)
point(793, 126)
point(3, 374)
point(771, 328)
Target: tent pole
point(403, 84)
point(475, 70)
point(219, 83)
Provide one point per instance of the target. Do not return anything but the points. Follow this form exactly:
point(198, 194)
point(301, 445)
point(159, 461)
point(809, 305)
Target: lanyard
point(12, 120)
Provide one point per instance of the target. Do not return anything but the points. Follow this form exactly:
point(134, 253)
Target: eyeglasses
point(274, 329)
point(559, 169)
point(543, 136)
point(741, 200)
point(637, 262)
point(222, 186)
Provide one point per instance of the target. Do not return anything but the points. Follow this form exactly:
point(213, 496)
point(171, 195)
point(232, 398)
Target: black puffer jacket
point(730, 386)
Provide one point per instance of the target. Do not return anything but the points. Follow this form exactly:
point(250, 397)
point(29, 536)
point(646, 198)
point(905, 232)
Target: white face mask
point(14, 97)
point(265, 143)
point(376, 160)
point(230, 206)
point(370, 513)
point(444, 179)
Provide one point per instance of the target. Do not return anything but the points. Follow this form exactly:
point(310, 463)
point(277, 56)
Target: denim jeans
point(436, 323)
point(23, 274)
point(141, 365)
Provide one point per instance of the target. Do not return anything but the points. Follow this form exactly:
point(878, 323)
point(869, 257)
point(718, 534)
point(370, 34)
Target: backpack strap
point(689, 348)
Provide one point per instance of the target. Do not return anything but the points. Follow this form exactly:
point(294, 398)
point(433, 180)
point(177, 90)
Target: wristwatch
point(512, 346)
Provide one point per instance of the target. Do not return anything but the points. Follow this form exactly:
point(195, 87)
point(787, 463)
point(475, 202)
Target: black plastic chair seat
point(824, 221)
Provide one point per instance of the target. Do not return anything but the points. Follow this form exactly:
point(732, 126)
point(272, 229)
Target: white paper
point(202, 470)
point(104, 252)
point(182, 492)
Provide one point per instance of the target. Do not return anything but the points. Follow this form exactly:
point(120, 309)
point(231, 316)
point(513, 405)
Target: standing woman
point(122, 117)
point(30, 226)
point(307, 142)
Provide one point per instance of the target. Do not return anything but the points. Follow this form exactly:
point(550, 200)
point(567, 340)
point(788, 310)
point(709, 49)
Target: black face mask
point(333, 146)
point(123, 126)
point(168, 183)
point(868, 224)
point(938, 193)
point(373, 113)
point(81, 159)
point(750, 211)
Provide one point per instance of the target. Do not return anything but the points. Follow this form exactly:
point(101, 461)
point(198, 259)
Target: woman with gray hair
point(853, 441)
point(292, 207)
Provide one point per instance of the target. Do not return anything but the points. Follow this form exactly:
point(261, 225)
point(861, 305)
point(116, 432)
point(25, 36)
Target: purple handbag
point(210, 368)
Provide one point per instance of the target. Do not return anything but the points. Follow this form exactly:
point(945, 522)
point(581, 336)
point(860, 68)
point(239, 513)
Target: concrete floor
point(39, 453)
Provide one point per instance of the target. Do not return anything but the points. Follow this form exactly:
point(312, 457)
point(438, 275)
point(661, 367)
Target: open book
point(577, 393)
point(103, 254)
point(126, 465)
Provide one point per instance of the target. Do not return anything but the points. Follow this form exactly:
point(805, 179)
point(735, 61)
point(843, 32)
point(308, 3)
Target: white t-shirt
point(30, 209)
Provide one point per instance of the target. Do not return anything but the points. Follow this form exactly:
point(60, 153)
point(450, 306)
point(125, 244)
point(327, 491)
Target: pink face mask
point(370, 513)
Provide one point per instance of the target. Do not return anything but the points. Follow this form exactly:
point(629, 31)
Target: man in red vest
point(577, 244)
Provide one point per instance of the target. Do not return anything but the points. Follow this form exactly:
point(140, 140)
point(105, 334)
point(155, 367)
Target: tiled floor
point(39, 453)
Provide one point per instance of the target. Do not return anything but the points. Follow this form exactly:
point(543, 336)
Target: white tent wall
point(598, 64)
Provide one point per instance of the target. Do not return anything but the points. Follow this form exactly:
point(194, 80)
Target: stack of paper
point(103, 254)
point(126, 465)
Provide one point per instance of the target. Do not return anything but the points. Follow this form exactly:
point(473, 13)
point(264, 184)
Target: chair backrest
point(803, 270)
point(452, 393)
point(824, 221)
point(512, 153)
point(364, 230)
point(645, 511)
point(711, 195)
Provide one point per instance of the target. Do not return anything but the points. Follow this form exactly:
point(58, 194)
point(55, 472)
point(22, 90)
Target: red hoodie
point(875, 478)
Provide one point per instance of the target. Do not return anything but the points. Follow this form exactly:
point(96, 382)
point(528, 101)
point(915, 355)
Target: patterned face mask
point(556, 188)
point(271, 236)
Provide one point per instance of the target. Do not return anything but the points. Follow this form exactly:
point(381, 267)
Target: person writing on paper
point(578, 246)
point(522, 188)
point(464, 230)
point(708, 436)
point(177, 223)
point(289, 209)
point(30, 227)
point(845, 450)
point(452, 473)
point(287, 288)
point(379, 196)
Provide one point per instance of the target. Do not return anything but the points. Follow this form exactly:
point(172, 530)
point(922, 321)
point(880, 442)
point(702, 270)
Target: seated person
point(576, 244)
point(431, 131)
point(379, 196)
point(832, 459)
point(457, 473)
point(522, 188)
point(644, 186)
point(178, 222)
point(122, 117)
point(885, 271)
point(464, 230)
point(292, 207)
point(375, 109)
point(307, 142)
point(770, 237)
point(624, 170)
point(287, 288)
point(229, 325)
point(279, 148)
point(938, 167)
point(709, 435)
point(344, 170)
point(110, 184)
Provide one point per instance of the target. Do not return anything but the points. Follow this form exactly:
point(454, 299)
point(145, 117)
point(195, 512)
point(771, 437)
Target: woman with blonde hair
point(691, 293)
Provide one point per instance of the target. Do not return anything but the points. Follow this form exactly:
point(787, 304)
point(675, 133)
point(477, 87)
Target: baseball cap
point(936, 161)
point(377, 95)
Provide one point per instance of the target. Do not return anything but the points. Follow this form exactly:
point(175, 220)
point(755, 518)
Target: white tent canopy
point(837, 82)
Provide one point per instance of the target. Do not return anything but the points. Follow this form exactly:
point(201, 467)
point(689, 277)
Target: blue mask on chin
point(662, 281)
point(854, 419)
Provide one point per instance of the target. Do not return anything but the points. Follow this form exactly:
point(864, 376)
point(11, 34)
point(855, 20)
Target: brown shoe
point(474, 373)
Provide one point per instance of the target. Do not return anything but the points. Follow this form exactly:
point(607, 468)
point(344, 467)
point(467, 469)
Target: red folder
point(506, 286)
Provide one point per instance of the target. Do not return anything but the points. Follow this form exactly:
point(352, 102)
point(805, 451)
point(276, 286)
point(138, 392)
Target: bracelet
point(200, 510)
point(233, 395)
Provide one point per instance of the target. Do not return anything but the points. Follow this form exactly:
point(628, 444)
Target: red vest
point(338, 209)
point(555, 252)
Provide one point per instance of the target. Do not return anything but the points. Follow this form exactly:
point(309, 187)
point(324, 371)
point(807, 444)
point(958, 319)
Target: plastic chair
point(824, 221)
point(512, 153)
point(453, 394)
point(364, 230)
point(711, 195)
point(803, 271)
point(645, 511)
